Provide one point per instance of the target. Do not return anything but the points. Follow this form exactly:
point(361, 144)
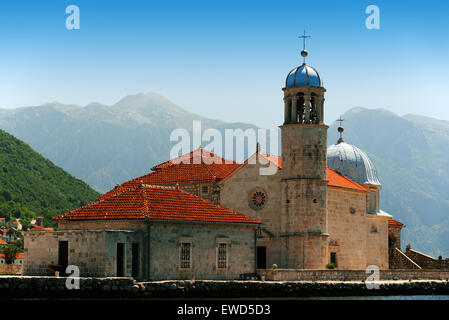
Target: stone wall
point(165, 246)
point(15, 287)
point(11, 268)
point(377, 241)
point(347, 227)
point(234, 194)
point(349, 275)
point(199, 189)
point(398, 260)
point(423, 260)
point(93, 251)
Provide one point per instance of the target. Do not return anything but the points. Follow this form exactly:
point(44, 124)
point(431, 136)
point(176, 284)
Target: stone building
point(320, 206)
point(148, 232)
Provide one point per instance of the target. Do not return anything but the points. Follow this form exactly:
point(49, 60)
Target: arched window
point(300, 102)
point(313, 109)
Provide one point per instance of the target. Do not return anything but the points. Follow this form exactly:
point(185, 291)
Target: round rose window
point(257, 199)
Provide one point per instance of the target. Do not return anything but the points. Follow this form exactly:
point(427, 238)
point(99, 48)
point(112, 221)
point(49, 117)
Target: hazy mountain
point(105, 145)
point(411, 157)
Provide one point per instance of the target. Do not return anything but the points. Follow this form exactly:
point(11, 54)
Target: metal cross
point(340, 129)
point(304, 37)
point(340, 120)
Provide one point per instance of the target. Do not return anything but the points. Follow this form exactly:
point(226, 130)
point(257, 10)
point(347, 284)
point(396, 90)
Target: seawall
point(18, 287)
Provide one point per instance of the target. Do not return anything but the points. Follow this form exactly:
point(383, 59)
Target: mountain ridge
point(105, 145)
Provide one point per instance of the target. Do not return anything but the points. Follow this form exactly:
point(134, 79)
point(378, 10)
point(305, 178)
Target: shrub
point(330, 265)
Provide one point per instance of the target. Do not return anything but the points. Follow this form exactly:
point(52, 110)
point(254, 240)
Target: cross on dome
point(304, 52)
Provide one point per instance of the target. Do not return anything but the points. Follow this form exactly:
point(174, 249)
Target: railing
point(401, 261)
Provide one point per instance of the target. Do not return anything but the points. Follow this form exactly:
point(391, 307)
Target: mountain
point(105, 145)
point(31, 185)
point(411, 157)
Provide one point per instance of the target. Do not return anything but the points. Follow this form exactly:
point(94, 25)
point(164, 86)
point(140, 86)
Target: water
point(420, 297)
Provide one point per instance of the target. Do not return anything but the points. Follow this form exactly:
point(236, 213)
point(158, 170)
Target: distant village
point(11, 242)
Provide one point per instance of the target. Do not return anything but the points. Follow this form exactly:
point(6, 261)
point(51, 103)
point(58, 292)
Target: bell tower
point(304, 168)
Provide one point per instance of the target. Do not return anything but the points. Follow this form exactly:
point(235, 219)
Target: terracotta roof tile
point(169, 173)
point(177, 172)
point(19, 255)
point(197, 156)
point(392, 222)
point(156, 203)
point(338, 180)
point(39, 228)
point(335, 179)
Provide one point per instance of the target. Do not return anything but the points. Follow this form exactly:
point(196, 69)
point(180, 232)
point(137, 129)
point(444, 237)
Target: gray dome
point(303, 76)
point(352, 162)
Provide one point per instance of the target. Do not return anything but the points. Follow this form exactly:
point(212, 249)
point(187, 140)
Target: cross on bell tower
point(304, 52)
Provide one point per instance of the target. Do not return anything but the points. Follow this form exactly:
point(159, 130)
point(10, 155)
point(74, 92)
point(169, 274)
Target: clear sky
point(226, 59)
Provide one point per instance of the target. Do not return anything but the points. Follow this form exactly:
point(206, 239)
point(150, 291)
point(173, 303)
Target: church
point(200, 216)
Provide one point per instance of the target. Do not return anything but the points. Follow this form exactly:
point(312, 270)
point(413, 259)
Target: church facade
point(200, 216)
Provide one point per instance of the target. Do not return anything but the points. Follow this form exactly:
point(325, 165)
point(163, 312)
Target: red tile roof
point(19, 255)
point(392, 222)
point(335, 178)
point(39, 228)
point(207, 167)
point(156, 203)
point(212, 169)
point(338, 180)
point(3, 242)
point(197, 156)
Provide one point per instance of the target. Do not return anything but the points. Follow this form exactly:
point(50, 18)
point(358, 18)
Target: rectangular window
point(222, 255)
point(261, 257)
point(205, 189)
point(334, 258)
point(63, 253)
point(120, 259)
point(135, 260)
point(186, 252)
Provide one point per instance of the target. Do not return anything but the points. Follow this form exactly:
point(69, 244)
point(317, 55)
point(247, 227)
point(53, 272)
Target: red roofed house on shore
point(151, 232)
point(19, 258)
point(205, 217)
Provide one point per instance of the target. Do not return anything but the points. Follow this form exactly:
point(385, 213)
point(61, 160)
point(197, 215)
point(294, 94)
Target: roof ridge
point(208, 169)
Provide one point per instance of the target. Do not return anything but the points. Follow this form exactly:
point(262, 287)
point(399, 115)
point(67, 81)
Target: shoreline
point(17, 287)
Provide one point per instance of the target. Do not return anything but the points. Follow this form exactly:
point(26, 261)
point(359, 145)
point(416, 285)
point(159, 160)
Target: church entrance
point(261, 257)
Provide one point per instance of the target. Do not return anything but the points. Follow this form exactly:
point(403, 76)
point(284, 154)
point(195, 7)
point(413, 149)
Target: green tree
point(18, 243)
point(10, 252)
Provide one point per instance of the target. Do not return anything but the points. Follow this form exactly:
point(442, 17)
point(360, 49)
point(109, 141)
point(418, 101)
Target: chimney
point(40, 221)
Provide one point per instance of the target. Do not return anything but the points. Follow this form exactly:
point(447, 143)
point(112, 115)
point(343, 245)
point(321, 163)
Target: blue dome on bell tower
point(303, 76)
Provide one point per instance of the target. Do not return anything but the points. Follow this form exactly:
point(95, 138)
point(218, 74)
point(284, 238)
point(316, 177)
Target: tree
point(19, 244)
point(10, 252)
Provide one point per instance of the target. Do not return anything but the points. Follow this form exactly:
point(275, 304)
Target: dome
point(303, 76)
point(352, 162)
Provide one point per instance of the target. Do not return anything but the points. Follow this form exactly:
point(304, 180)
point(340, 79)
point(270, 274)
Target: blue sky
point(226, 59)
